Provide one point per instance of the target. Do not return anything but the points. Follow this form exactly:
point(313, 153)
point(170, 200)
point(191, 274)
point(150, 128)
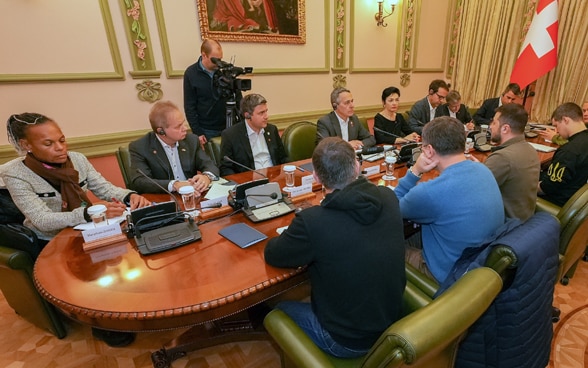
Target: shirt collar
point(251, 131)
point(165, 145)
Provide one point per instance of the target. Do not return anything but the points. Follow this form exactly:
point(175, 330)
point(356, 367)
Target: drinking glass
point(389, 160)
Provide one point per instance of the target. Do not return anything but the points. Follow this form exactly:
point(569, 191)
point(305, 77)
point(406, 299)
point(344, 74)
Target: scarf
point(64, 178)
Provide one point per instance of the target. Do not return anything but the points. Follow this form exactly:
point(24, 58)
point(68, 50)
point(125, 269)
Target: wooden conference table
point(116, 288)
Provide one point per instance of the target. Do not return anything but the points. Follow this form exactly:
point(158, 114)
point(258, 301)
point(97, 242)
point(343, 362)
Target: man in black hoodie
point(353, 245)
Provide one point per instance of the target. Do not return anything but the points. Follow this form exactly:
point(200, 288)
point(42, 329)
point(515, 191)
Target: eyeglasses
point(26, 122)
point(440, 97)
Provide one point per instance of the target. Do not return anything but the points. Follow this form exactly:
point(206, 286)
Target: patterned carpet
point(23, 345)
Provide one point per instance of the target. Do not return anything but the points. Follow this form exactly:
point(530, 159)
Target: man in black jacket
point(485, 113)
point(253, 143)
point(353, 245)
point(169, 154)
point(204, 104)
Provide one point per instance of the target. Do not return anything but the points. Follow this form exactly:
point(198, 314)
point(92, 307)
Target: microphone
point(178, 207)
point(227, 158)
point(272, 195)
point(369, 150)
point(212, 205)
point(393, 135)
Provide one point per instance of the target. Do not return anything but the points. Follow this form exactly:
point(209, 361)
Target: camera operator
point(204, 104)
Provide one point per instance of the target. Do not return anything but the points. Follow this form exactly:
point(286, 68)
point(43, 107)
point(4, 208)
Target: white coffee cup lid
point(484, 126)
point(187, 189)
point(289, 168)
point(95, 209)
point(469, 140)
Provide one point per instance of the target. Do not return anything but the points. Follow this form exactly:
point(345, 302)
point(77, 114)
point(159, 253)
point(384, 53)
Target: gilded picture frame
point(268, 21)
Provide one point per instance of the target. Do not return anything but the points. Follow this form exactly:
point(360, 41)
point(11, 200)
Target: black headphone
point(160, 131)
point(335, 106)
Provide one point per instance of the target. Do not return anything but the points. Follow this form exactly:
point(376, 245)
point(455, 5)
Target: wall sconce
point(381, 14)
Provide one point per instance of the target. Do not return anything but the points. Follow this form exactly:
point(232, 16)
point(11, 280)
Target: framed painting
point(273, 21)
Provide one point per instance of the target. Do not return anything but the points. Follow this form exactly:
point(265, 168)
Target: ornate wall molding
point(455, 26)
point(339, 36)
point(149, 91)
point(408, 34)
point(116, 74)
point(139, 40)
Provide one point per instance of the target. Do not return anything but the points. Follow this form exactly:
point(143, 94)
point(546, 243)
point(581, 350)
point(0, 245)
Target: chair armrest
point(546, 206)
point(414, 298)
point(419, 280)
point(436, 328)
point(16, 259)
point(294, 342)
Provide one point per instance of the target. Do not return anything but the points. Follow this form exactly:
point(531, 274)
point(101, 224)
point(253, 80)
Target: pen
point(301, 169)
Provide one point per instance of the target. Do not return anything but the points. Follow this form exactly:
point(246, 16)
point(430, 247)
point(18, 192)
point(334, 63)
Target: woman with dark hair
point(49, 184)
point(390, 121)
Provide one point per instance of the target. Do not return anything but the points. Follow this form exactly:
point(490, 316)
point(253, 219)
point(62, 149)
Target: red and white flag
point(539, 52)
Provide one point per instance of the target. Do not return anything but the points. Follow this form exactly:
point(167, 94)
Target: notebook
point(542, 147)
point(242, 234)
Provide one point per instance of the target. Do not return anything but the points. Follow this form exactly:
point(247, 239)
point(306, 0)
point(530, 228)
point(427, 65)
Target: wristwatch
point(413, 173)
point(210, 176)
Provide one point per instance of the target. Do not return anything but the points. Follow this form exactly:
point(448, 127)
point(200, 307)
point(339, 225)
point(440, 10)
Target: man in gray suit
point(169, 155)
point(423, 110)
point(343, 123)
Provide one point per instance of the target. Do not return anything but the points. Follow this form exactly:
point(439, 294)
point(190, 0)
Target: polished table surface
point(117, 288)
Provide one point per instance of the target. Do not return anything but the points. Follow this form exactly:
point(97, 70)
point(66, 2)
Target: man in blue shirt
point(456, 210)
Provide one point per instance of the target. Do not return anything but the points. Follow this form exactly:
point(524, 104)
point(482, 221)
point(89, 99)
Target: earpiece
point(334, 106)
point(160, 131)
point(247, 116)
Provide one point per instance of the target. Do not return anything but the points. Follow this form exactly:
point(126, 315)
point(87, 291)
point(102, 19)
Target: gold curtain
point(490, 35)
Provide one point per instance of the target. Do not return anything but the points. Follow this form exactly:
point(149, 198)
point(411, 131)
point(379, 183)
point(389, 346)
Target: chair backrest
point(299, 140)
point(426, 337)
point(213, 150)
point(573, 218)
point(18, 250)
point(123, 156)
point(429, 336)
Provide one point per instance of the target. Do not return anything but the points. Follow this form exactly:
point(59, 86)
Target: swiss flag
point(539, 52)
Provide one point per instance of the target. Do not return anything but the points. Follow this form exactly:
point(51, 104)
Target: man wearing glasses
point(486, 112)
point(423, 110)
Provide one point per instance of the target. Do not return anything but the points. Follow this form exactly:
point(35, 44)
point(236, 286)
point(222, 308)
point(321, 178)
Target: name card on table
point(371, 170)
point(308, 179)
point(298, 191)
point(102, 235)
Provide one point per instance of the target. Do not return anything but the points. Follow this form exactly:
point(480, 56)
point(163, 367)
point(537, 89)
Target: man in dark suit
point(485, 113)
point(253, 143)
point(169, 155)
point(343, 123)
point(456, 109)
point(424, 110)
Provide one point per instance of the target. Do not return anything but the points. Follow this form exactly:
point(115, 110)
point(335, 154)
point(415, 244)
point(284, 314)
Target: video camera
point(225, 78)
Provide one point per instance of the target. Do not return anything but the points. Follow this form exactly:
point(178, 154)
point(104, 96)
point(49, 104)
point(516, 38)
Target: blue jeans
point(305, 318)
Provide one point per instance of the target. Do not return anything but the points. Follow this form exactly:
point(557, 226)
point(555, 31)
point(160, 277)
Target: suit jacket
point(419, 115)
point(328, 126)
point(485, 113)
point(462, 114)
point(235, 144)
point(148, 155)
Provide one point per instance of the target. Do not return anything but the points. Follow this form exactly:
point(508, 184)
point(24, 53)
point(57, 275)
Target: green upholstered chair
point(573, 219)
point(427, 336)
point(123, 157)
point(299, 140)
point(212, 149)
point(18, 248)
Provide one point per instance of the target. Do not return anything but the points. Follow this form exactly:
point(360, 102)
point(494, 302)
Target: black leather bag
point(20, 237)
